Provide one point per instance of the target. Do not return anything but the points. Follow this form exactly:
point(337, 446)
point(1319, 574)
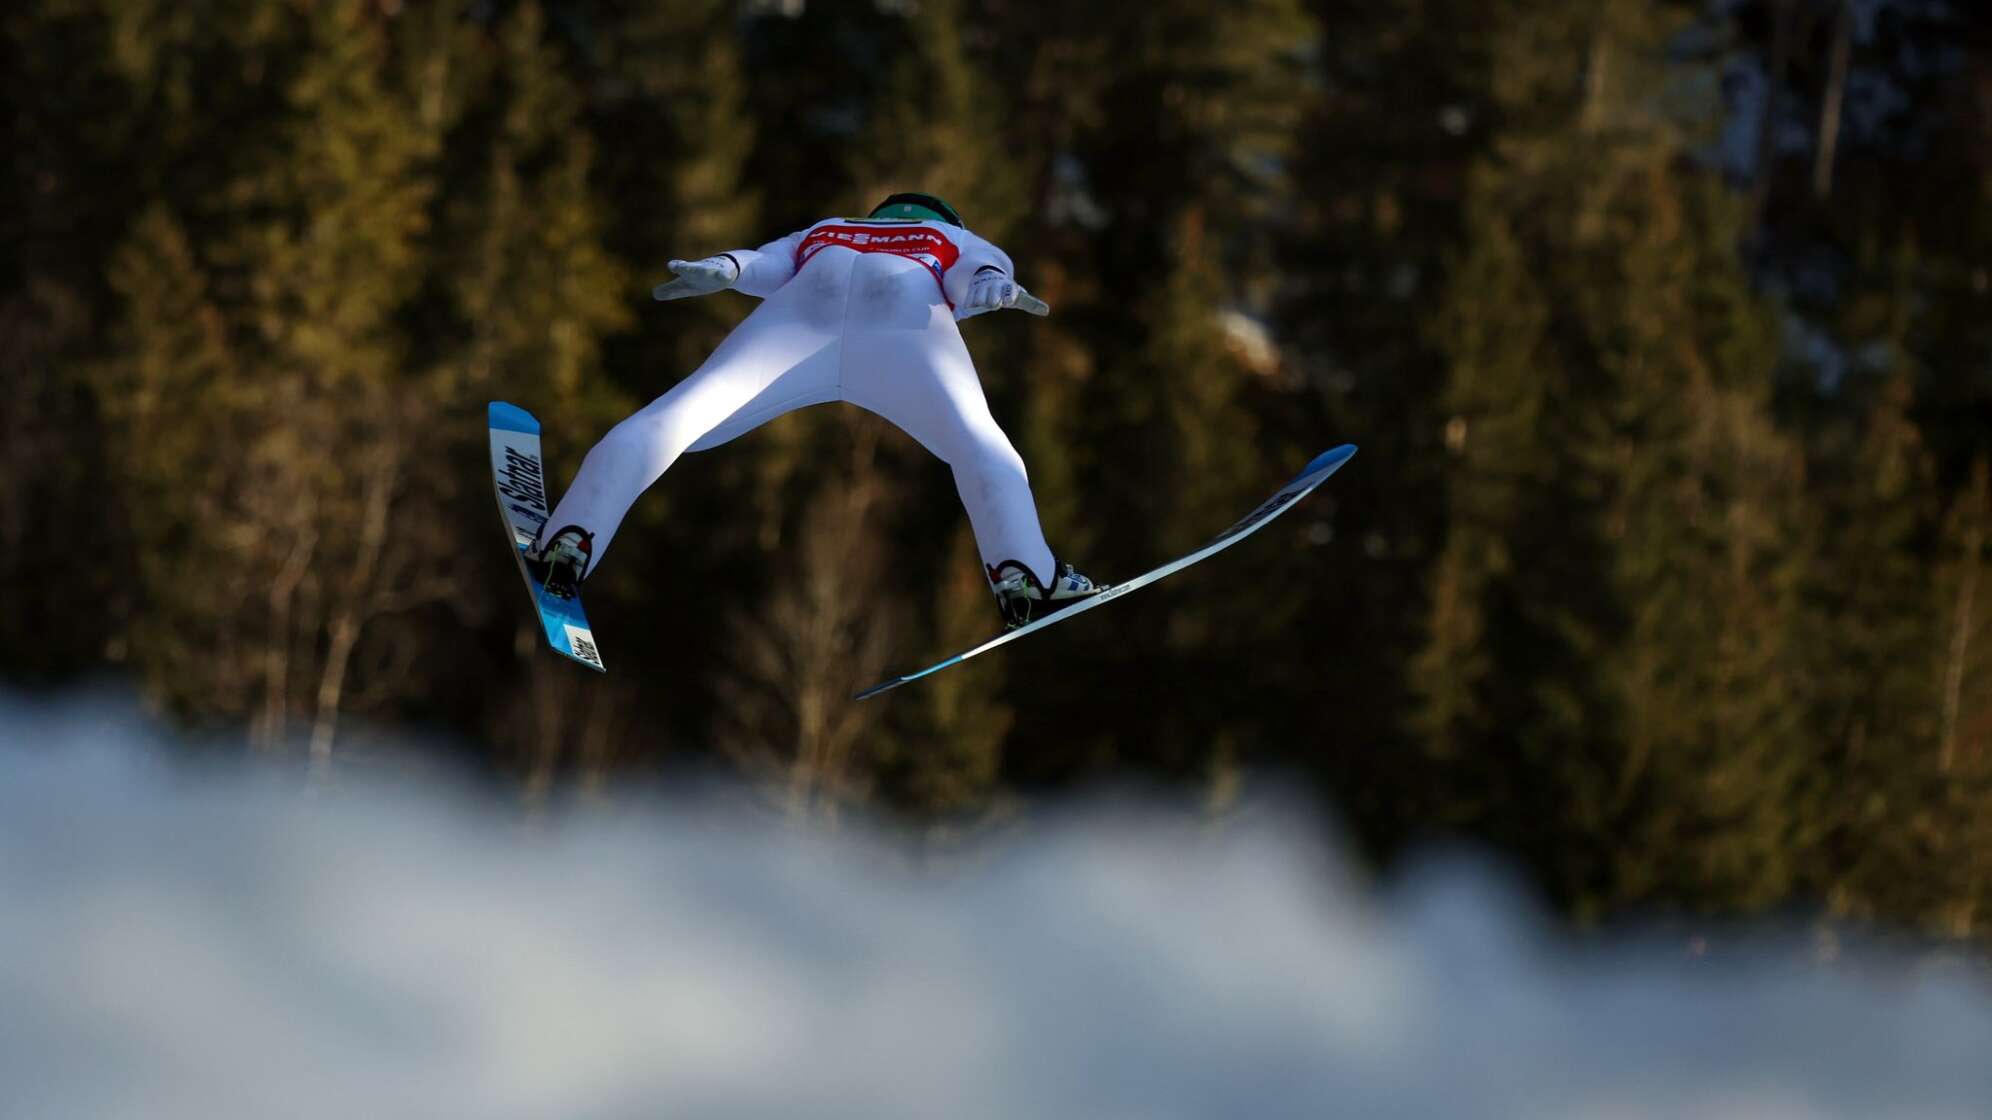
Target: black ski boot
point(1022, 599)
point(562, 562)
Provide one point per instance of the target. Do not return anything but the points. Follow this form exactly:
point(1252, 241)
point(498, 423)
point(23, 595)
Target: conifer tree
point(1966, 604)
point(1186, 462)
point(667, 82)
point(1510, 705)
point(166, 397)
point(85, 137)
point(329, 456)
point(1706, 521)
point(322, 250)
point(1877, 644)
point(1624, 500)
point(938, 126)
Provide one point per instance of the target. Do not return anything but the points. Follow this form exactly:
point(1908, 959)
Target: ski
point(1311, 476)
point(519, 478)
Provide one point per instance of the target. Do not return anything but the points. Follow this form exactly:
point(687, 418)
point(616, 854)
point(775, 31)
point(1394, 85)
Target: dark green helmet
point(912, 204)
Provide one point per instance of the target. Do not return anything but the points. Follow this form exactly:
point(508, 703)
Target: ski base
point(1314, 474)
point(519, 477)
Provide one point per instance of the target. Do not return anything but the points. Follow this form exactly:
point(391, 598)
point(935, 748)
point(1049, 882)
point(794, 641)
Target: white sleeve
point(976, 255)
point(765, 269)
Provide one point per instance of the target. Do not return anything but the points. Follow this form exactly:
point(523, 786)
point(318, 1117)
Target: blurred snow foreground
point(200, 940)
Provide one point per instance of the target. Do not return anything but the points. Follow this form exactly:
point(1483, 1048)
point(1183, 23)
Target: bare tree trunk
point(1829, 107)
point(827, 723)
point(596, 746)
point(552, 714)
point(1784, 15)
point(1597, 62)
point(276, 650)
point(1966, 616)
point(352, 613)
point(822, 632)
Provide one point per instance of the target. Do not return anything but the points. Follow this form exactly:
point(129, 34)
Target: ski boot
point(1022, 599)
point(562, 562)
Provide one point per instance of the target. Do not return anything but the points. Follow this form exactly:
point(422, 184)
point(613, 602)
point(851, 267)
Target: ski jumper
point(857, 310)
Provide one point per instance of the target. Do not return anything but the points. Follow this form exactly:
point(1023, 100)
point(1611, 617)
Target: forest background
point(1665, 329)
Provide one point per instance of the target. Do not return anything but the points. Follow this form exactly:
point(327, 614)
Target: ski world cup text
point(521, 481)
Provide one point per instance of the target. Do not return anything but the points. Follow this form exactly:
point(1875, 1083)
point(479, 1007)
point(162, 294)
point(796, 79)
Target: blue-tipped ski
point(1314, 474)
point(520, 479)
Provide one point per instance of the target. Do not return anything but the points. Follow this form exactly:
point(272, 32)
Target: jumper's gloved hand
point(991, 290)
point(696, 278)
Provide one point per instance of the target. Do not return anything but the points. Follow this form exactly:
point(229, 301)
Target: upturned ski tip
point(1332, 457)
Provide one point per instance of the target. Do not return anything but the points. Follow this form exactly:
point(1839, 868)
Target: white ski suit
point(857, 310)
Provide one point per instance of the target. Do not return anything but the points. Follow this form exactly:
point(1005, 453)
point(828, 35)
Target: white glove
point(696, 278)
point(991, 290)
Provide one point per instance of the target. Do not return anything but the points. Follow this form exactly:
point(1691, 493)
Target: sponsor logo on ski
point(520, 479)
point(582, 642)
